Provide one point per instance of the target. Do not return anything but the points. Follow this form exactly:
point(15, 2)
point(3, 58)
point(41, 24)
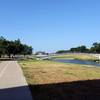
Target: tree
point(81, 49)
point(95, 48)
point(13, 47)
point(27, 50)
point(2, 46)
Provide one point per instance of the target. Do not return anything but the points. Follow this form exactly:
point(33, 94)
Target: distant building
point(41, 53)
point(42, 56)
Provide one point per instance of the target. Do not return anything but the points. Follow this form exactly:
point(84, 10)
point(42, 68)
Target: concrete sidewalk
point(13, 85)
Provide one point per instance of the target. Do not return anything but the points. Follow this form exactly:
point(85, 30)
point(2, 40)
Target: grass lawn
point(58, 81)
point(76, 56)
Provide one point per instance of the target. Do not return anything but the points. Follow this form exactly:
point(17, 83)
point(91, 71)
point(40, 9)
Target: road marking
point(3, 70)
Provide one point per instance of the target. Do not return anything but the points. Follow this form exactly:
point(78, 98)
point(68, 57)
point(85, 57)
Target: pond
point(74, 61)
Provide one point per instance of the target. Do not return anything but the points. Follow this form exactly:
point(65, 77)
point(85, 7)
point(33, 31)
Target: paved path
point(13, 85)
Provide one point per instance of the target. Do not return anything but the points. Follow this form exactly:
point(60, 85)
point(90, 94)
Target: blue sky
point(51, 25)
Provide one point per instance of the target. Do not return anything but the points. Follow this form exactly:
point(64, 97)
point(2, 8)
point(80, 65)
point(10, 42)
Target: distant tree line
point(13, 48)
point(83, 49)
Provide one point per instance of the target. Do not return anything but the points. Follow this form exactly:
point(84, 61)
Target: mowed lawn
point(50, 80)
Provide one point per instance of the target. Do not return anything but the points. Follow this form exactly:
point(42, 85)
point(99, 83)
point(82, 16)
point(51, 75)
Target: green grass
point(76, 56)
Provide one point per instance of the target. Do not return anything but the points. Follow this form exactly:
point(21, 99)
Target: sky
point(51, 25)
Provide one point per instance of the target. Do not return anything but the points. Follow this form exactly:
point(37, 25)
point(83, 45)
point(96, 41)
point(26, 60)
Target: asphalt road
point(13, 85)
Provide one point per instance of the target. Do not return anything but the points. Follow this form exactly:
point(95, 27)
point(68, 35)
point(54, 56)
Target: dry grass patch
point(76, 56)
point(44, 72)
point(57, 81)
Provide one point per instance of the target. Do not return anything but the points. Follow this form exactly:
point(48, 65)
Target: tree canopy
point(83, 49)
point(95, 48)
point(13, 47)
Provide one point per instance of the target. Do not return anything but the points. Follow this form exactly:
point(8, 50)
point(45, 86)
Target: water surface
point(74, 61)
